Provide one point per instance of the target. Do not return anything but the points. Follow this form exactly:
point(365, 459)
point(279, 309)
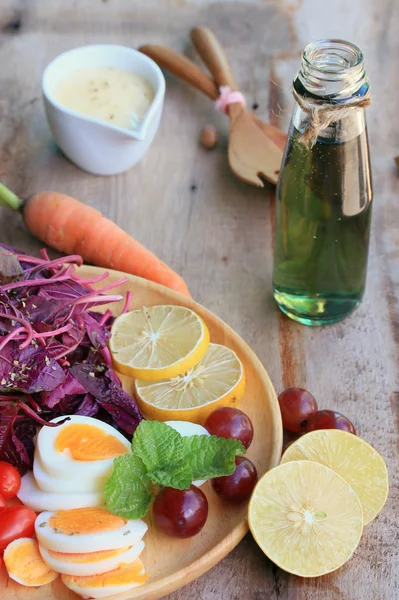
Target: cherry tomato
point(330, 419)
point(297, 406)
point(238, 486)
point(230, 423)
point(180, 513)
point(3, 503)
point(10, 480)
point(16, 522)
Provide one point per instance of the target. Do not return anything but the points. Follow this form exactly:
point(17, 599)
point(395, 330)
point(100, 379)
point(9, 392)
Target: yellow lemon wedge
point(352, 458)
point(217, 380)
point(306, 518)
point(158, 342)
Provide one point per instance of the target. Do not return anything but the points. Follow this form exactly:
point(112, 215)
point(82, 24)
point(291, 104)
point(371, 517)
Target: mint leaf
point(211, 456)
point(161, 455)
point(177, 475)
point(127, 491)
point(160, 448)
point(158, 445)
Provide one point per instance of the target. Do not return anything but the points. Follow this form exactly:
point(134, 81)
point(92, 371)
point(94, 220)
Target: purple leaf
point(10, 268)
point(41, 309)
point(109, 396)
point(12, 447)
point(44, 305)
point(64, 290)
point(88, 407)
point(98, 335)
point(29, 370)
point(69, 387)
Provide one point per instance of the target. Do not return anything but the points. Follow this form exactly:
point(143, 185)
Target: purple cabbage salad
point(54, 358)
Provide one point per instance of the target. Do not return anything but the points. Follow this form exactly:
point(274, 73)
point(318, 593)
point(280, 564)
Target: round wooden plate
point(172, 563)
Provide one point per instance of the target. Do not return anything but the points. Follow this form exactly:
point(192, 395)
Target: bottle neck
point(332, 73)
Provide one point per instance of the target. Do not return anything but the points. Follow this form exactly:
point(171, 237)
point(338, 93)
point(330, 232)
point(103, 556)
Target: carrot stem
point(8, 198)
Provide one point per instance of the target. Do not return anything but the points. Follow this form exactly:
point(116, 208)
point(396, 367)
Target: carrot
point(70, 226)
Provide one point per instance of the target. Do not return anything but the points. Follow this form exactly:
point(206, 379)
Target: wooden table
point(185, 205)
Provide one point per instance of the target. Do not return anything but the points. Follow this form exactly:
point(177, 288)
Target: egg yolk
point(79, 521)
point(88, 442)
point(87, 557)
point(24, 561)
point(130, 573)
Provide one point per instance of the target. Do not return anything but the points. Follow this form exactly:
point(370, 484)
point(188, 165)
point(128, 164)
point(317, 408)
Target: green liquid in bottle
point(322, 227)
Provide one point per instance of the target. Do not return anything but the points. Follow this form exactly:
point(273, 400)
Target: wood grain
point(186, 206)
point(169, 562)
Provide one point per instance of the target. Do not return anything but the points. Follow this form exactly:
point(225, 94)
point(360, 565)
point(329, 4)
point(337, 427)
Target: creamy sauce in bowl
point(116, 96)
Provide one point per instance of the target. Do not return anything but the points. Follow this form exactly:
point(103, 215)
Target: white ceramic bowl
point(94, 145)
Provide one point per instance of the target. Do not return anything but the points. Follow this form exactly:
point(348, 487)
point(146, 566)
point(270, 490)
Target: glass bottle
point(323, 202)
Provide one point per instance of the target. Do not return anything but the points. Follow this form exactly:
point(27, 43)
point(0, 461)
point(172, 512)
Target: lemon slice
point(306, 518)
point(217, 380)
point(352, 458)
point(158, 342)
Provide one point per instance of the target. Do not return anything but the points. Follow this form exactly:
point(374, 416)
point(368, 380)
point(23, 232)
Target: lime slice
point(305, 518)
point(217, 380)
point(352, 458)
point(158, 342)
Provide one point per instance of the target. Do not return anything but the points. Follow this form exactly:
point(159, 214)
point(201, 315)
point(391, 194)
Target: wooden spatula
point(252, 152)
point(187, 70)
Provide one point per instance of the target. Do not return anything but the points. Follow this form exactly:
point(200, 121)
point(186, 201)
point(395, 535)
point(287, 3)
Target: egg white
point(130, 534)
point(99, 592)
point(31, 495)
point(71, 484)
point(83, 570)
point(61, 464)
point(186, 428)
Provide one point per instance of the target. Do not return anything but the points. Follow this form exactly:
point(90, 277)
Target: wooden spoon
point(252, 153)
point(187, 70)
point(182, 67)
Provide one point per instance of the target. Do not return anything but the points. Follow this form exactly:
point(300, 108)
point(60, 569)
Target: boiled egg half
point(25, 565)
point(81, 447)
point(33, 496)
point(87, 530)
point(117, 581)
point(90, 563)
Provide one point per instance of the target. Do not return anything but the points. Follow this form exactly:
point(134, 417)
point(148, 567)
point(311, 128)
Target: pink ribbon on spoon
point(228, 96)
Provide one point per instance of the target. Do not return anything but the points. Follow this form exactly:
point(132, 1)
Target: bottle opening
point(333, 68)
point(332, 56)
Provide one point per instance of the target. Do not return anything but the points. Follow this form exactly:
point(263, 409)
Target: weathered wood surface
point(185, 205)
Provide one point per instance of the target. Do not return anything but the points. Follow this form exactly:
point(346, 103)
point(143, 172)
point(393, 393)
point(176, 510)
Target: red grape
point(238, 486)
point(230, 423)
point(297, 406)
point(329, 419)
point(180, 513)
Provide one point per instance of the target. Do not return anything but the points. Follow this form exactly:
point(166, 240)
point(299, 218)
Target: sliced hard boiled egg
point(117, 581)
point(31, 495)
point(185, 428)
point(65, 485)
point(25, 565)
point(87, 530)
point(80, 447)
point(90, 563)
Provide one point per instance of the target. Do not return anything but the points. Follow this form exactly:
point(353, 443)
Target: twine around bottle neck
point(322, 114)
